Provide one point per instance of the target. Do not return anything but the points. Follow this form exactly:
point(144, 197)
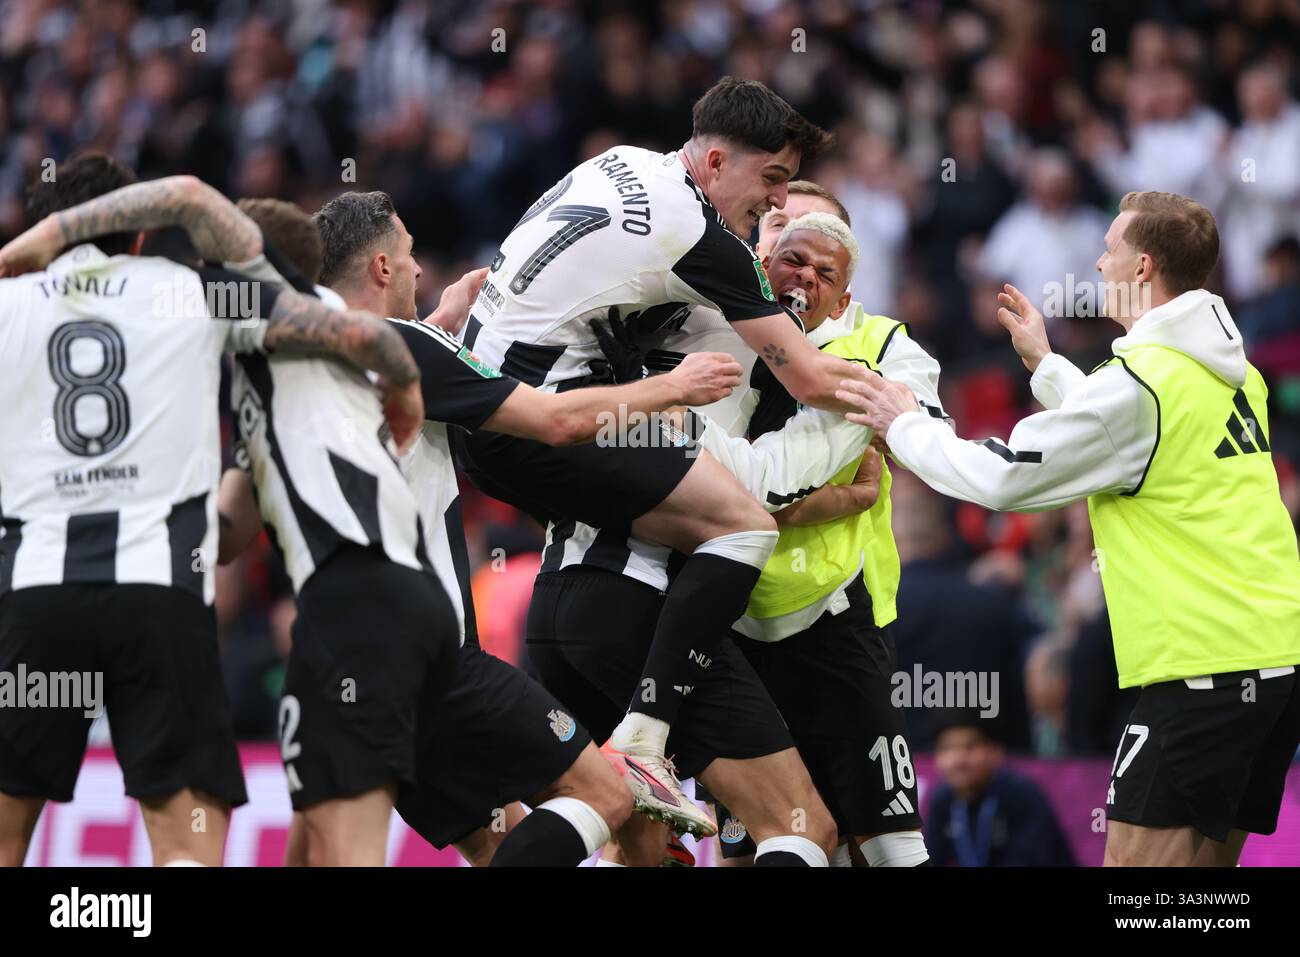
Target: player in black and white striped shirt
point(498, 737)
point(630, 230)
point(109, 462)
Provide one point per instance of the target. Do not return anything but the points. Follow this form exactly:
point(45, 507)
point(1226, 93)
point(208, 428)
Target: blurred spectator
point(1173, 138)
point(985, 815)
point(1049, 236)
point(1276, 310)
point(960, 210)
point(871, 185)
point(1261, 173)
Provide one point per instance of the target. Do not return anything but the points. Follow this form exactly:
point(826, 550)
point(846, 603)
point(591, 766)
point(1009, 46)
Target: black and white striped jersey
point(626, 230)
point(792, 452)
point(460, 391)
point(666, 339)
point(311, 433)
point(110, 450)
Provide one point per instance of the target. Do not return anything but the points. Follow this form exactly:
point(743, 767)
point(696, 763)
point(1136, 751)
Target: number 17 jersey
point(628, 229)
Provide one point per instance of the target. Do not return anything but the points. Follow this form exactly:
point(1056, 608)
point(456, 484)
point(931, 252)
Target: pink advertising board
point(101, 827)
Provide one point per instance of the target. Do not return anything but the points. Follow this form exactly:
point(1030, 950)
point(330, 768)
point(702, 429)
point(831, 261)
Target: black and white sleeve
point(721, 271)
point(459, 388)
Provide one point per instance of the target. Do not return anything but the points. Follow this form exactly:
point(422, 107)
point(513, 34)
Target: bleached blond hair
point(827, 224)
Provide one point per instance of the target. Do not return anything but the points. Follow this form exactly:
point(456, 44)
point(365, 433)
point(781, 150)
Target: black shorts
point(496, 737)
point(601, 486)
point(154, 650)
point(371, 639)
point(589, 632)
point(833, 685)
point(1210, 758)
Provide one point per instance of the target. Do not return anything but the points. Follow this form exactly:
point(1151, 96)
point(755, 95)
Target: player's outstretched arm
point(218, 229)
point(808, 374)
point(1101, 441)
point(298, 323)
point(579, 415)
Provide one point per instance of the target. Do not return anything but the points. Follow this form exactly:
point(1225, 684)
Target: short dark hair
point(80, 178)
point(291, 231)
point(806, 187)
point(950, 719)
point(350, 224)
point(1178, 233)
point(747, 112)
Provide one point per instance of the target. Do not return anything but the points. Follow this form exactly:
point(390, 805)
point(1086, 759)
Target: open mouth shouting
point(796, 300)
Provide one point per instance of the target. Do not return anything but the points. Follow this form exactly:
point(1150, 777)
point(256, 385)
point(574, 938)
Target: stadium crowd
point(979, 142)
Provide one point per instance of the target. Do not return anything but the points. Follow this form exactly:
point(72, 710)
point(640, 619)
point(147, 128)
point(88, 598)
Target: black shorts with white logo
point(589, 632)
point(832, 684)
point(1210, 757)
point(601, 486)
point(152, 650)
point(371, 640)
point(496, 737)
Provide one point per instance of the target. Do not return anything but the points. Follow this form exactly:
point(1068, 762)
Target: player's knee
point(747, 515)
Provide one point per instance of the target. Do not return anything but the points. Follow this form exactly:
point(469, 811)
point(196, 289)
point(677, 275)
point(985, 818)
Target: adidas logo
point(899, 806)
point(1243, 426)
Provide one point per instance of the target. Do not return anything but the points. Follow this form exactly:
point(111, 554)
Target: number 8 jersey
point(109, 434)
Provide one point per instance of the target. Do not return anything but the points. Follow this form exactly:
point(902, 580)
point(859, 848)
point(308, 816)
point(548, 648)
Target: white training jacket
point(785, 465)
point(1098, 431)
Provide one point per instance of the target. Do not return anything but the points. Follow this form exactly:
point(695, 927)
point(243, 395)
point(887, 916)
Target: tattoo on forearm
point(774, 355)
point(302, 324)
point(219, 230)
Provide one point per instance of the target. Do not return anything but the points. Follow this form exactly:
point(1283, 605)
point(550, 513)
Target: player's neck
point(688, 160)
point(371, 300)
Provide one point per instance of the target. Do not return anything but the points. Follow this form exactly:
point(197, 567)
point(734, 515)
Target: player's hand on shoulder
point(32, 250)
point(706, 377)
point(404, 411)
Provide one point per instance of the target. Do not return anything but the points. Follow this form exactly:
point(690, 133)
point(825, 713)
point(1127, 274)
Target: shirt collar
point(79, 257)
